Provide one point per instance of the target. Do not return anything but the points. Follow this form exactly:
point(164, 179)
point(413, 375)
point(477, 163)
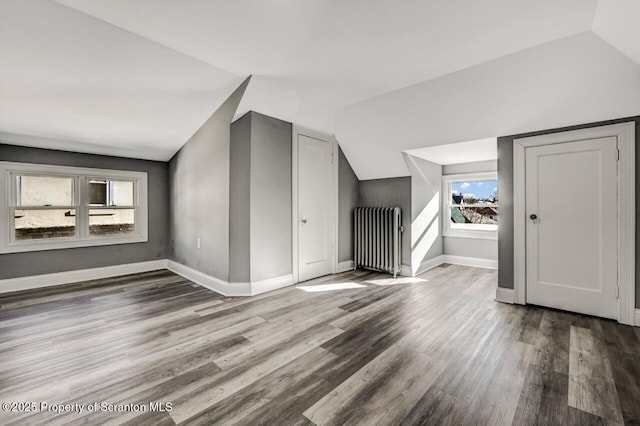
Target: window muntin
point(50, 207)
point(471, 205)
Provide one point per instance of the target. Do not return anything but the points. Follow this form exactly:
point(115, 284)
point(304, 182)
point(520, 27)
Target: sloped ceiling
point(139, 77)
point(578, 79)
point(617, 23)
point(68, 81)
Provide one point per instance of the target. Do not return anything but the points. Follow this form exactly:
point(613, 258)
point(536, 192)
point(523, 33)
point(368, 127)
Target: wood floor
point(359, 348)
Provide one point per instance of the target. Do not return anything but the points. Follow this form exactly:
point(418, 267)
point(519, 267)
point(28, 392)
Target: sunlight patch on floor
point(397, 281)
point(329, 287)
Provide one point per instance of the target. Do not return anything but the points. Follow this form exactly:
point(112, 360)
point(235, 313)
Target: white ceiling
point(458, 153)
point(578, 79)
point(68, 81)
point(140, 76)
point(617, 23)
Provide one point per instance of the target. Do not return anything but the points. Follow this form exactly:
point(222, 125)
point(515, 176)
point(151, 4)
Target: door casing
point(625, 136)
point(295, 219)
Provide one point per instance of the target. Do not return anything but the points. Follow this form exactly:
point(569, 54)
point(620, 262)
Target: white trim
point(219, 286)
point(625, 135)
point(428, 264)
point(637, 318)
point(347, 265)
point(627, 225)
point(80, 176)
point(295, 217)
point(475, 262)
point(93, 242)
point(259, 287)
point(207, 281)
point(335, 163)
point(68, 277)
point(446, 196)
point(406, 271)
point(519, 224)
point(226, 288)
point(505, 295)
point(470, 233)
point(334, 207)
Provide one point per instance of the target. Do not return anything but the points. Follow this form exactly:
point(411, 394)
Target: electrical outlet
point(198, 242)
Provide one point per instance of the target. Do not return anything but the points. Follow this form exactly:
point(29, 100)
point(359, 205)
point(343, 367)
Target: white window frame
point(447, 230)
point(81, 177)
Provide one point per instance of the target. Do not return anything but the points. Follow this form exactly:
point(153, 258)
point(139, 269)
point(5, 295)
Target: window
point(52, 207)
point(471, 205)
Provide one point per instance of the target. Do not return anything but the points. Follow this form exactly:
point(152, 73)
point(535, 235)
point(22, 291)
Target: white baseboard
point(207, 281)
point(637, 318)
point(428, 264)
point(471, 261)
point(259, 287)
point(345, 266)
point(226, 288)
point(212, 283)
point(406, 271)
point(505, 295)
point(68, 277)
point(425, 265)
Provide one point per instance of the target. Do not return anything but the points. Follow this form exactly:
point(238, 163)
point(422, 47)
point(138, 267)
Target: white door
point(572, 226)
point(314, 207)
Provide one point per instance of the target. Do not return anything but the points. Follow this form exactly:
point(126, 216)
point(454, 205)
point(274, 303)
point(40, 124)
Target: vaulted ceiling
point(138, 77)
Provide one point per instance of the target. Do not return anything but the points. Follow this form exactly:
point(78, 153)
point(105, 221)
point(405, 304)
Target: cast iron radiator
point(377, 238)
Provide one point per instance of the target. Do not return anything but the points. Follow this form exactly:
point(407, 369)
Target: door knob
point(533, 216)
point(304, 221)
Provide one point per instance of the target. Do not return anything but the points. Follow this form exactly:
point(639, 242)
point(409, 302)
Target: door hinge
point(618, 155)
point(618, 291)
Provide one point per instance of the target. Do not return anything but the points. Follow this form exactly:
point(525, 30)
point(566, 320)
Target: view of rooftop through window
point(474, 202)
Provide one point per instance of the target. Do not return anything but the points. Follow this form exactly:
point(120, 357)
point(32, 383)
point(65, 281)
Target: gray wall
point(260, 199)
point(505, 185)
point(471, 247)
point(392, 192)
point(271, 189)
point(348, 189)
point(239, 200)
point(15, 265)
point(426, 219)
point(199, 176)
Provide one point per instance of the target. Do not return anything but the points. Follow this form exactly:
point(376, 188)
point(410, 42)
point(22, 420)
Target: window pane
point(40, 224)
point(474, 215)
point(122, 192)
point(111, 222)
point(44, 191)
point(110, 193)
point(475, 192)
point(98, 192)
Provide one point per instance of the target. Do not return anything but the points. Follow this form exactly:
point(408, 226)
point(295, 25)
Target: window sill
point(479, 235)
point(23, 247)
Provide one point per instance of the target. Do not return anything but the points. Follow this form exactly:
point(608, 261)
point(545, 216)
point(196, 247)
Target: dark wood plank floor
point(354, 348)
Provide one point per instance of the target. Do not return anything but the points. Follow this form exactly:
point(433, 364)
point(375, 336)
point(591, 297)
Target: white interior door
point(572, 226)
point(314, 207)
